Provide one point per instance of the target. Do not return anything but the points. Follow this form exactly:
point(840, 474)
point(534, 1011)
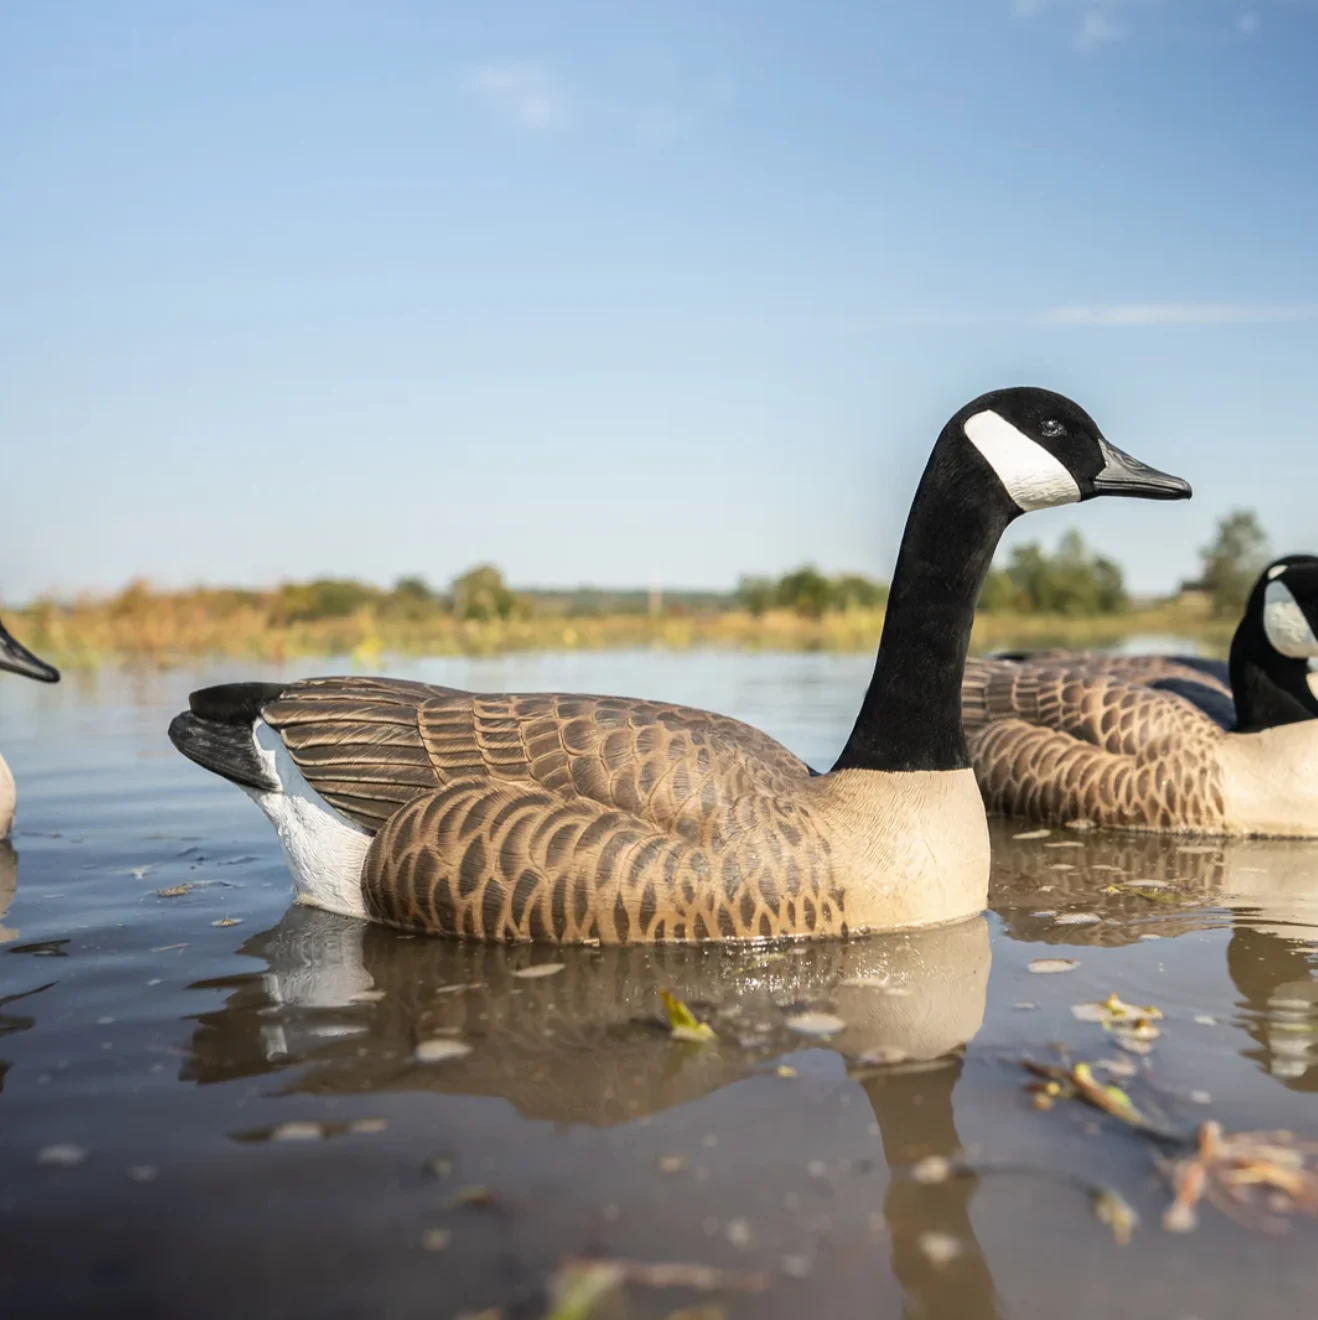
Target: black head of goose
point(15, 658)
point(1172, 743)
point(586, 819)
point(1274, 653)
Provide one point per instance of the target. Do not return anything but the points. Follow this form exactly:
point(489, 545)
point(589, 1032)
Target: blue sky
point(619, 293)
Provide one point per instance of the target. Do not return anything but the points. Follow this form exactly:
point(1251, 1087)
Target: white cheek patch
point(1284, 622)
point(1312, 679)
point(324, 850)
point(1276, 571)
point(1029, 473)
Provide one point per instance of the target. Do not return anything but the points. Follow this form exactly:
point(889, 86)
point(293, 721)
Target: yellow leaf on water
point(575, 1289)
point(683, 1023)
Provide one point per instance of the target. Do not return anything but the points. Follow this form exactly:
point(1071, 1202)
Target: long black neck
point(1269, 688)
point(911, 716)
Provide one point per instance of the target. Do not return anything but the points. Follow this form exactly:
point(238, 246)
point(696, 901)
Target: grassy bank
point(165, 629)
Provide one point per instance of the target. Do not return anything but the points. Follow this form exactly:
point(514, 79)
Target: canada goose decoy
point(583, 818)
point(17, 659)
point(1162, 743)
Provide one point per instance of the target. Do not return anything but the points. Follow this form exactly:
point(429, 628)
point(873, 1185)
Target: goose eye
point(1052, 428)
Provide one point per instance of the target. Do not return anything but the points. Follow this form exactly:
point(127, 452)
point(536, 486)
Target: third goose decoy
point(17, 659)
point(583, 818)
point(1162, 743)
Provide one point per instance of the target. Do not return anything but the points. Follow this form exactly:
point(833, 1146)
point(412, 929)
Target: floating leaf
point(1046, 965)
point(576, 1288)
point(175, 891)
point(683, 1023)
point(1116, 1212)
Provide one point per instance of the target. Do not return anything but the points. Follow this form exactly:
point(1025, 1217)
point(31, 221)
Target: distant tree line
point(806, 591)
point(1071, 580)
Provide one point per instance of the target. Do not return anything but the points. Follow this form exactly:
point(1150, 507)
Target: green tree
point(1072, 581)
point(756, 594)
point(1234, 559)
point(806, 590)
point(481, 593)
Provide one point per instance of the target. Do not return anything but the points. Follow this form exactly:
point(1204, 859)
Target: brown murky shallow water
point(205, 1119)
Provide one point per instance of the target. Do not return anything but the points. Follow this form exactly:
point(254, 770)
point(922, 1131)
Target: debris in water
point(932, 1169)
point(939, 1248)
point(475, 1196)
point(1205, 1019)
point(297, 1130)
point(580, 1284)
point(368, 1125)
point(1024, 1005)
point(228, 921)
point(539, 970)
point(1116, 1212)
point(440, 1051)
point(175, 891)
point(1114, 1010)
point(436, 1239)
point(1044, 965)
point(64, 1155)
point(815, 1024)
point(784, 1070)
point(366, 997)
point(670, 1163)
point(738, 1232)
point(1077, 919)
point(1033, 834)
point(1069, 1083)
point(683, 1023)
point(1257, 1178)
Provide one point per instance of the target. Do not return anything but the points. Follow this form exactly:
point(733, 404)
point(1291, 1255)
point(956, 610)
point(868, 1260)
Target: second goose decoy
point(17, 659)
point(583, 818)
point(1163, 743)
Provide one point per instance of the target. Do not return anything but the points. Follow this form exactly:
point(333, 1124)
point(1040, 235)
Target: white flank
point(1030, 474)
point(324, 851)
point(1284, 622)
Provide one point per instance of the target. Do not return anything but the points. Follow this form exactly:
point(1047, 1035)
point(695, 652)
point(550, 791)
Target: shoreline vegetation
point(1067, 597)
point(139, 626)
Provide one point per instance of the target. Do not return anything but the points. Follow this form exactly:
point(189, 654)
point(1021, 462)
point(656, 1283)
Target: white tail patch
point(1029, 473)
point(1284, 622)
point(324, 850)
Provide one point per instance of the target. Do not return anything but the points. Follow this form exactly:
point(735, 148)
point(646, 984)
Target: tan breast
point(1270, 781)
point(907, 848)
point(8, 799)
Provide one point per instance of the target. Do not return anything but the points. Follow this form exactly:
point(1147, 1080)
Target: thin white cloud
point(1028, 8)
point(524, 94)
point(1247, 24)
point(1097, 29)
point(1186, 313)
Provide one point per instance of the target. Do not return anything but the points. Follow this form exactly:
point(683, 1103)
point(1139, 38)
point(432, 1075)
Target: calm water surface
point(202, 1118)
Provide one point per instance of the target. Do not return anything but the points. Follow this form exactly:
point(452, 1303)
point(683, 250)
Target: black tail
point(216, 732)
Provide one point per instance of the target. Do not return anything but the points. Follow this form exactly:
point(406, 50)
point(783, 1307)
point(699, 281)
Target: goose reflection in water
point(1265, 890)
point(341, 1006)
